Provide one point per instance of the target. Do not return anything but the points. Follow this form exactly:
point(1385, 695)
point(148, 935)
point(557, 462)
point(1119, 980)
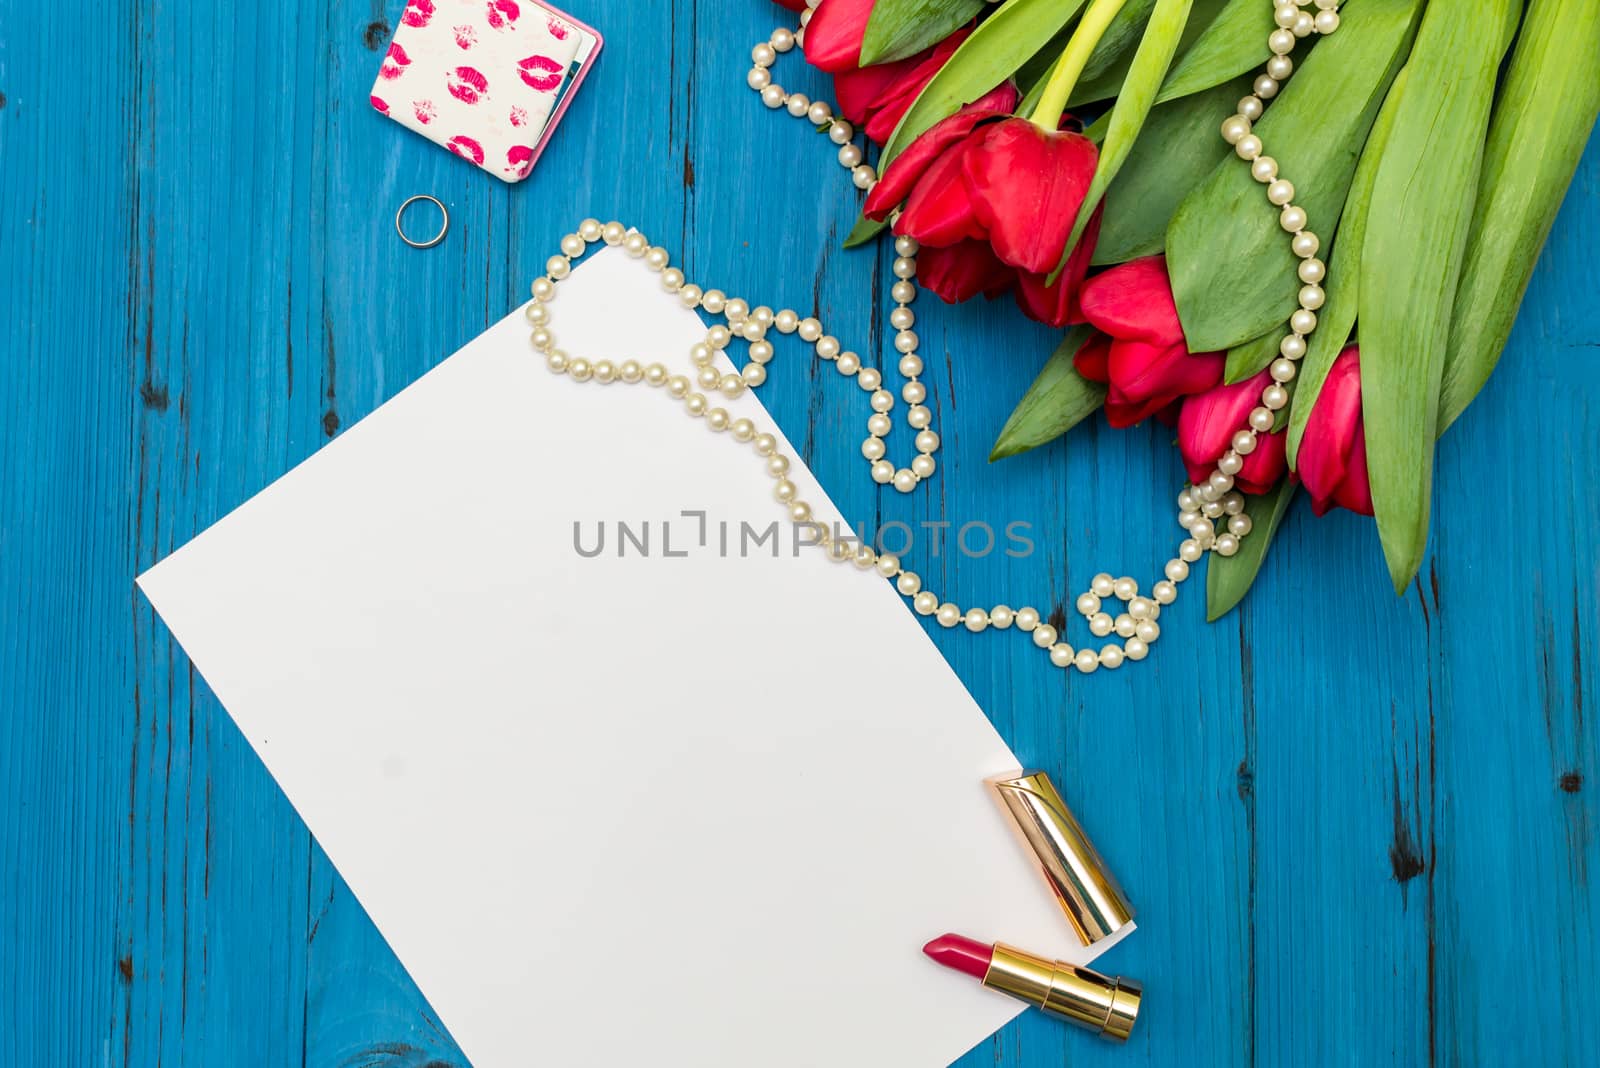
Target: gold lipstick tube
point(1099, 1003)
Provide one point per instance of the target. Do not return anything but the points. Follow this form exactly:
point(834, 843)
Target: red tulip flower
point(992, 200)
point(1206, 428)
point(876, 97)
point(1143, 358)
point(1332, 461)
point(792, 5)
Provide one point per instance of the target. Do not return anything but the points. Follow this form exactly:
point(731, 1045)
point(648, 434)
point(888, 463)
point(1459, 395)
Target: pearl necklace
point(1200, 506)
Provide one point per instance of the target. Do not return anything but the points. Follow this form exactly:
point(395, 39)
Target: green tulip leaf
point(1119, 39)
point(901, 28)
point(1343, 284)
point(1548, 104)
point(1234, 42)
point(1108, 83)
point(1059, 399)
point(1229, 578)
point(1128, 114)
point(1178, 147)
point(1411, 257)
point(1233, 273)
point(1251, 358)
point(991, 54)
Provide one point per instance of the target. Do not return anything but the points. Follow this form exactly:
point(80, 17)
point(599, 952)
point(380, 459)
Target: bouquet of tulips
point(1106, 161)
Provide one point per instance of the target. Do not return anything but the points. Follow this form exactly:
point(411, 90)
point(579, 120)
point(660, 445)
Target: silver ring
point(444, 227)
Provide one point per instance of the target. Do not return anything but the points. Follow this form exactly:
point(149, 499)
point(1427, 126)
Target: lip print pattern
point(519, 116)
point(502, 13)
point(395, 62)
point(466, 37)
point(541, 73)
point(519, 161)
point(418, 13)
point(467, 85)
point(557, 28)
point(424, 110)
point(466, 148)
point(380, 105)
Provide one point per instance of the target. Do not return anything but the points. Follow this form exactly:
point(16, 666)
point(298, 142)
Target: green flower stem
point(1064, 77)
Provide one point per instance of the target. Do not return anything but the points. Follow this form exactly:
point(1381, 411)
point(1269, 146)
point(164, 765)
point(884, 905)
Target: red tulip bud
point(1210, 420)
point(1332, 461)
point(833, 36)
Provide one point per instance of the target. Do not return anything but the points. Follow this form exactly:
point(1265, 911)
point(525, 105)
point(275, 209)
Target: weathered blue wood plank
point(1358, 828)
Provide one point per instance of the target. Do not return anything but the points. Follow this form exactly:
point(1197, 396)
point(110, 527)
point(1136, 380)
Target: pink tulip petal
point(1027, 185)
point(962, 271)
point(1332, 428)
point(1134, 301)
point(1211, 419)
point(909, 166)
point(938, 213)
point(1355, 492)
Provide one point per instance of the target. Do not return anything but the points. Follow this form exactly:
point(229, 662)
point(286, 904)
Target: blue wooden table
point(1359, 828)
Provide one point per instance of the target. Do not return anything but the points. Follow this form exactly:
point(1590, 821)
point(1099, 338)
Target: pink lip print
point(557, 28)
point(466, 148)
point(520, 160)
point(519, 116)
point(466, 37)
point(418, 13)
point(502, 13)
point(424, 111)
point(541, 73)
point(467, 85)
point(395, 62)
point(380, 105)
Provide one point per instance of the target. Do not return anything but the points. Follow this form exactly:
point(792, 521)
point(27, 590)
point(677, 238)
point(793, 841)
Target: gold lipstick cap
point(1084, 887)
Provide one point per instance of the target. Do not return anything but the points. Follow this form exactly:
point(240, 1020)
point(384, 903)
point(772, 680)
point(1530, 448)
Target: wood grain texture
point(1359, 828)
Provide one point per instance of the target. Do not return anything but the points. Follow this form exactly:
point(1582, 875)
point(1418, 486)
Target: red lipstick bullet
point(1099, 1003)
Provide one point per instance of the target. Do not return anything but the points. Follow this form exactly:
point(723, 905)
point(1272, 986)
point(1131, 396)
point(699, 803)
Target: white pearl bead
point(902, 318)
point(537, 314)
point(863, 176)
point(718, 336)
point(1231, 463)
point(1244, 442)
point(1292, 218)
point(910, 365)
point(557, 267)
point(580, 369)
point(1027, 619)
point(1087, 662)
point(613, 233)
point(543, 289)
point(1251, 107)
point(1100, 624)
point(883, 472)
point(1186, 501)
point(754, 374)
point(1135, 649)
point(1125, 589)
point(1266, 87)
point(773, 96)
point(922, 466)
point(743, 430)
point(677, 385)
point(1061, 655)
point(906, 245)
point(904, 267)
point(908, 583)
point(782, 39)
point(590, 230)
point(1280, 67)
point(672, 279)
point(717, 419)
point(763, 55)
point(903, 291)
point(949, 615)
point(1103, 585)
point(760, 351)
point(905, 342)
point(786, 321)
point(1177, 570)
point(784, 490)
point(927, 441)
point(1328, 5)
point(573, 245)
point(1303, 321)
point(821, 113)
point(556, 361)
point(914, 392)
point(635, 244)
point(1240, 525)
point(841, 132)
point(1282, 369)
point(1312, 271)
point(1327, 21)
point(847, 363)
point(1226, 545)
point(630, 371)
point(878, 424)
point(1281, 42)
point(690, 295)
point(765, 444)
point(713, 301)
point(1261, 419)
point(1280, 192)
point(1248, 147)
point(1124, 625)
point(888, 565)
point(1234, 128)
point(977, 620)
point(541, 339)
point(828, 347)
point(1275, 397)
point(1312, 297)
point(736, 310)
point(873, 448)
point(1305, 244)
point(925, 603)
point(1285, 14)
point(1303, 25)
point(1233, 503)
point(1088, 604)
point(1149, 630)
point(731, 385)
point(810, 329)
point(657, 258)
point(1165, 592)
point(849, 156)
point(1212, 509)
point(1293, 346)
point(1264, 169)
point(904, 480)
point(695, 404)
point(1111, 657)
point(1044, 635)
point(1001, 617)
point(919, 416)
